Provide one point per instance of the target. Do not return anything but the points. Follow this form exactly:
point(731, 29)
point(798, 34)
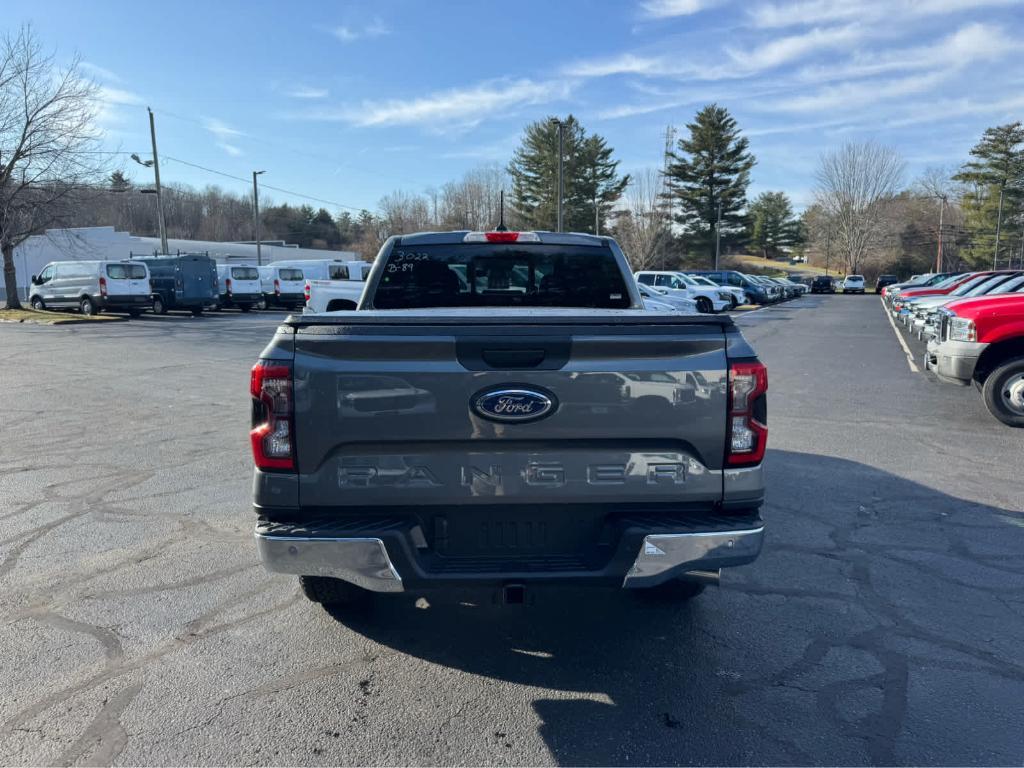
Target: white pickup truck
point(339, 294)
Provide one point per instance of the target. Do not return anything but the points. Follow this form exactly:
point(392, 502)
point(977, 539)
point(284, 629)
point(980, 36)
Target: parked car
point(739, 296)
point(941, 288)
point(92, 286)
point(332, 295)
point(891, 292)
point(800, 287)
point(853, 284)
point(774, 290)
point(239, 286)
point(929, 326)
point(823, 284)
point(917, 311)
point(709, 300)
point(883, 281)
point(185, 282)
point(730, 278)
point(661, 301)
point(981, 340)
point(283, 287)
point(596, 457)
point(327, 269)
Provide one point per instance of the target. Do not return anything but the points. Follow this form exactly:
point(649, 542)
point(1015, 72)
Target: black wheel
point(733, 301)
point(333, 592)
point(87, 306)
point(197, 311)
point(245, 307)
point(158, 306)
point(1003, 393)
point(675, 590)
point(37, 304)
point(134, 312)
point(704, 305)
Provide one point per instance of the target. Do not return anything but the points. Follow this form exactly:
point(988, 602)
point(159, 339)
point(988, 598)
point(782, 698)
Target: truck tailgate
point(385, 409)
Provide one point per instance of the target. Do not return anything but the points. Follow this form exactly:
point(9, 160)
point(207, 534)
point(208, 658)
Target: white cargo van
point(92, 286)
point(239, 286)
point(283, 286)
point(328, 269)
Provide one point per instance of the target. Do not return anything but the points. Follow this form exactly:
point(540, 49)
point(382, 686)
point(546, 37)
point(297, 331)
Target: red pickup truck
point(981, 340)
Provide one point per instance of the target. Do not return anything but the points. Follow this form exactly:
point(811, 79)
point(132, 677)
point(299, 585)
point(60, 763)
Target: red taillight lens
point(277, 287)
point(747, 435)
point(307, 293)
point(103, 286)
point(227, 284)
point(501, 237)
point(273, 443)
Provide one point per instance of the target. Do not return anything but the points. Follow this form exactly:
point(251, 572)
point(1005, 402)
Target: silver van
point(92, 286)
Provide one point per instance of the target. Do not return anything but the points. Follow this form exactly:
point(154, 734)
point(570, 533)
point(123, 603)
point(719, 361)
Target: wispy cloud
point(306, 92)
point(666, 9)
point(625, 64)
point(458, 105)
point(794, 47)
point(807, 12)
point(231, 149)
point(96, 72)
point(347, 33)
point(856, 95)
point(110, 95)
point(220, 129)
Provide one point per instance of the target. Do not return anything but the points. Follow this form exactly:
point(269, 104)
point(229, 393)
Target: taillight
point(747, 435)
point(273, 444)
point(227, 284)
point(307, 293)
point(501, 237)
point(103, 286)
point(277, 287)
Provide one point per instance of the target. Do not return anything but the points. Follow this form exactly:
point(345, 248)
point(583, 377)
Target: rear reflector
point(501, 237)
point(747, 422)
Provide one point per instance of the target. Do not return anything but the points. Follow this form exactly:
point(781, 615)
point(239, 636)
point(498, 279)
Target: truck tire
point(332, 592)
point(37, 304)
point(158, 306)
point(704, 305)
point(87, 306)
point(245, 307)
point(197, 311)
point(1003, 393)
point(675, 590)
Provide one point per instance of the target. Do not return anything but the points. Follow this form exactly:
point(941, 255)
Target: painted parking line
point(903, 342)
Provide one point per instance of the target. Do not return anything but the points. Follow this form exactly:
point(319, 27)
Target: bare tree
point(854, 184)
point(47, 143)
point(642, 225)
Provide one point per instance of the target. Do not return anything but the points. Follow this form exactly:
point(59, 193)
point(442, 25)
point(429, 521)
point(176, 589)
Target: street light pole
point(718, 234)
point(159, 195)
point(256, 216)
point(999, 224)
point(938, 255)
point(561, 183)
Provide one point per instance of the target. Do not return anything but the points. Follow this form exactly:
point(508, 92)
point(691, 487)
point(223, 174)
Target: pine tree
point(773, 225)
point(711, 168)
point(997, 171)
point(590, 177)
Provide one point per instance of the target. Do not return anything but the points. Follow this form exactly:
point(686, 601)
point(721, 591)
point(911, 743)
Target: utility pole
point(256, 216)
point(999, 223)
point(1021, 251)
point(159, 195)
point(828, 247)
point(938, 255)
point(718, 234)
point(561, 181)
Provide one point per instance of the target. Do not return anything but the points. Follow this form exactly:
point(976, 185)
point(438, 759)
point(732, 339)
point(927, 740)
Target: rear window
point(126, 271)
point(489, 275)
point(855, 277)
point(245, 273)
point(290, 274)
point(337, 272)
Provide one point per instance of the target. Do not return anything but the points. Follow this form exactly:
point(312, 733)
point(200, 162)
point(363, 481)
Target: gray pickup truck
point(500, 412)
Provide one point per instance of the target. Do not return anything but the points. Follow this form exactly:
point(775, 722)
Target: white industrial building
point(106, 243)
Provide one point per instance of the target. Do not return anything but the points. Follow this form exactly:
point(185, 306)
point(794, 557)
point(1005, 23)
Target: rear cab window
point(501, 275)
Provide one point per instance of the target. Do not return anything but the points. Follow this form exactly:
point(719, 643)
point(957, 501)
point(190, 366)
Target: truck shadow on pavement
point(878, 606)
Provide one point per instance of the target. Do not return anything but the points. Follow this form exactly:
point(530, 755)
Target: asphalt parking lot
point(883, 624)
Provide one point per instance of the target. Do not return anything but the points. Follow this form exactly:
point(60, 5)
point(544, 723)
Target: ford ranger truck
point(982, 340)
point(501, 412)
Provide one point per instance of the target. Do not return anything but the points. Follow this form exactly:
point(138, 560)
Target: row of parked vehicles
point(193, 283)
point(973, 323)
point(711, 291)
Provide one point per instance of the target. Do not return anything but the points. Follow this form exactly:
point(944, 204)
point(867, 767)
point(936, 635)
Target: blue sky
point(349, 101)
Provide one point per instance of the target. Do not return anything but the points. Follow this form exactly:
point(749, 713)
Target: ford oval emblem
point(513, 404)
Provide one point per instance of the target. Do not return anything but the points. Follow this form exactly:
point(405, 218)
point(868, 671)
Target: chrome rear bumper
point(363, 562)
point(666, 555)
